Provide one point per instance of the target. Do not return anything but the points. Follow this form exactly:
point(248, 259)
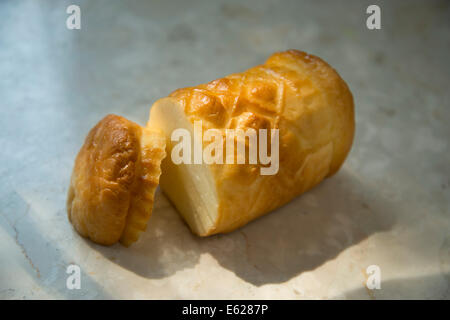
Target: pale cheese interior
point(190, 187)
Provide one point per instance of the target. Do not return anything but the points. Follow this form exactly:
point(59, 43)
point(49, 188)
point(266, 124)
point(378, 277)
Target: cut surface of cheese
point(192, 185)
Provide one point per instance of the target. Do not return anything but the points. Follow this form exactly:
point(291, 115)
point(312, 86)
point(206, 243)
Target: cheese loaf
point(297, 93)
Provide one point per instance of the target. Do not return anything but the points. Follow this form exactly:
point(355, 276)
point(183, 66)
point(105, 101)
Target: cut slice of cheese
point(152, 151)
point(114, 179)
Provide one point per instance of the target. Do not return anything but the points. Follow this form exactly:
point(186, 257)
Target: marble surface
point(388, 206)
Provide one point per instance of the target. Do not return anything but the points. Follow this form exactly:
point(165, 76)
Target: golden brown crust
point(108, 179)
point(152, 152)
point(297, 93)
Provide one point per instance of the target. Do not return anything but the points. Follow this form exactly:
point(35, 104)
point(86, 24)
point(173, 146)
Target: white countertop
point(388, 206)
